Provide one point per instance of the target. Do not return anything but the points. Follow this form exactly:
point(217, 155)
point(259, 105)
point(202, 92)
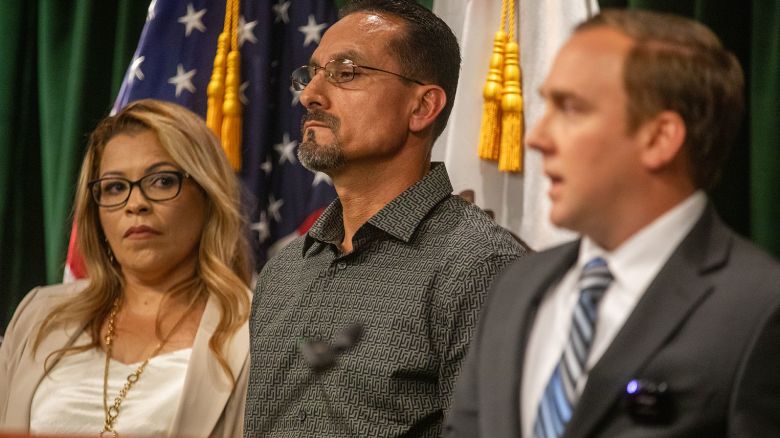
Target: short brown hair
point(680, 65)
point(427, 50)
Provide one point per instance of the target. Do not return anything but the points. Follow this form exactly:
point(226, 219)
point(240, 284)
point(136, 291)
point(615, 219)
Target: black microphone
point(648, 402)
point(321, 355)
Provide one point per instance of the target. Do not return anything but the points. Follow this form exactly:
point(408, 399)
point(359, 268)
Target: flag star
point(183, 80)
point(274, 206)
point(152, 11)
point(296, 96)
point(261, 226)
point(135, 70)
point(286, 149)
point(192, 20)
point(242, 93)
point(280, 9)
point(267, 166)
point(312, 30)
point(246, 31)
point(321, 177)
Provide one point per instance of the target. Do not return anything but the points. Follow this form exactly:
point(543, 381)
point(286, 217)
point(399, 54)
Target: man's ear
point(662, 139)
point(429, 101)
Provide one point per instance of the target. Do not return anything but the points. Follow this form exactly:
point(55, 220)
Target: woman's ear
point(429, 102)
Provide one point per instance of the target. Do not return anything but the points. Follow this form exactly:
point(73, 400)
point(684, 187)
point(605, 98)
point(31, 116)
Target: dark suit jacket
point(707, 326)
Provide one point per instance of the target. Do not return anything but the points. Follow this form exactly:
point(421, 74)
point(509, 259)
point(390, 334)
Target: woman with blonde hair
point(156, 341)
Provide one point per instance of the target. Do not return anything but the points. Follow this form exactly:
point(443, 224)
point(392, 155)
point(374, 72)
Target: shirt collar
point(328, 228)
point(639, 259)
point(399, 218)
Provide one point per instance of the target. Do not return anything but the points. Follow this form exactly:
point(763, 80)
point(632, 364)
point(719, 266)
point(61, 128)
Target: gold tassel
point(231, 122)
point(216, 88)
point(511, 158)
point(490, 131)
point(231, 107)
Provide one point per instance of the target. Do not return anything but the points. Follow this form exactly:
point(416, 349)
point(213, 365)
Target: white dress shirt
point(634, 264)
point(69, 401)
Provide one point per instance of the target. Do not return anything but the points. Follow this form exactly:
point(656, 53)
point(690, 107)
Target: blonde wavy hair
point(223, 270)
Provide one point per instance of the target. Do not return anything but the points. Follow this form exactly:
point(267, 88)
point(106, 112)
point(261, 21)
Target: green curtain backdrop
point(764, 126)
point(748, 196)
point(62, 63)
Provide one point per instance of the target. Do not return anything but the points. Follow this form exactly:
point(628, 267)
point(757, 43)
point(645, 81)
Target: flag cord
point(490, 129)
point(223, 115)
point(511, 153)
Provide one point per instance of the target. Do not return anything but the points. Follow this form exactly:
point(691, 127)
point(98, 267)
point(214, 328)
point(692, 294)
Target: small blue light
point(632, 387)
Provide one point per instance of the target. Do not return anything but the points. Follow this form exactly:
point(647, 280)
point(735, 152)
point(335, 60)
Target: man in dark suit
point(659, 321)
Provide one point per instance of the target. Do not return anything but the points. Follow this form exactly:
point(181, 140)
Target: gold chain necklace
point(113, 411)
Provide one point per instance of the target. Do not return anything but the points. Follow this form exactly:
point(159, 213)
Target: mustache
point(321, 116)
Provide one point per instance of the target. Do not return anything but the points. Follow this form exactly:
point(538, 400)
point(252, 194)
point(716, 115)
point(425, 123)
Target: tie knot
point(594, 280)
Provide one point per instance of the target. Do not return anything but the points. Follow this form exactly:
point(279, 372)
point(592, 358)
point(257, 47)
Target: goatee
point(320, 157)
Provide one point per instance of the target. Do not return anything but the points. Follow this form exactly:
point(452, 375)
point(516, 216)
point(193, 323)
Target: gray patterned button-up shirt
point(416, 279)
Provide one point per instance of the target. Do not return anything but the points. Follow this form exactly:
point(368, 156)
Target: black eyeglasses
point(114, 191)
point(337, 71)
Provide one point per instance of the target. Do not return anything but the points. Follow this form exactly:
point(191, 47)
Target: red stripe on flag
point(75, 263)
point(303, 228)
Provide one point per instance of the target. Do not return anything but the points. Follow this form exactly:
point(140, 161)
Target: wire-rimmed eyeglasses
point(337, 71)
point(114, 191)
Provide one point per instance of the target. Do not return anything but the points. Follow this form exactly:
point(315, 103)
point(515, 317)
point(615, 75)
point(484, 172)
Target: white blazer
point(210, 406)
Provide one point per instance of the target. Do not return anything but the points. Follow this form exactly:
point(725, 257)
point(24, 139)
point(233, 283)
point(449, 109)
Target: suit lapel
point(679, 288)
point(206, 386)
point(501, 375)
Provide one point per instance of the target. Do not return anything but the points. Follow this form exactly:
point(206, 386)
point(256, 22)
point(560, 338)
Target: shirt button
point(302, 415)
point(342, 265)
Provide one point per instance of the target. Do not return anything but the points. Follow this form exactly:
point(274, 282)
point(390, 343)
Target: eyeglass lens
point(336, 71)
point(160, 186)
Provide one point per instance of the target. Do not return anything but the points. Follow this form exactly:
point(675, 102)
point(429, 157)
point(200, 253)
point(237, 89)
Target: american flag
point(173, 62)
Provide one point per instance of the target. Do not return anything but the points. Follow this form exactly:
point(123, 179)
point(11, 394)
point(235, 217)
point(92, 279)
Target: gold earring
point(109, 253)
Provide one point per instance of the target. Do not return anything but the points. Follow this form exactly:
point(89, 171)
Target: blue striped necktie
point(560, 394)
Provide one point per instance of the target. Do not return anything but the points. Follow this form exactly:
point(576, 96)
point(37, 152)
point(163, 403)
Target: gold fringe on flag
point(216, 87)
point(490, 131)
point(224, 106)
point(511, 155)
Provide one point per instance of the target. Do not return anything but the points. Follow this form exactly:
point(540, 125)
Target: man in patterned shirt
point(359, 328)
